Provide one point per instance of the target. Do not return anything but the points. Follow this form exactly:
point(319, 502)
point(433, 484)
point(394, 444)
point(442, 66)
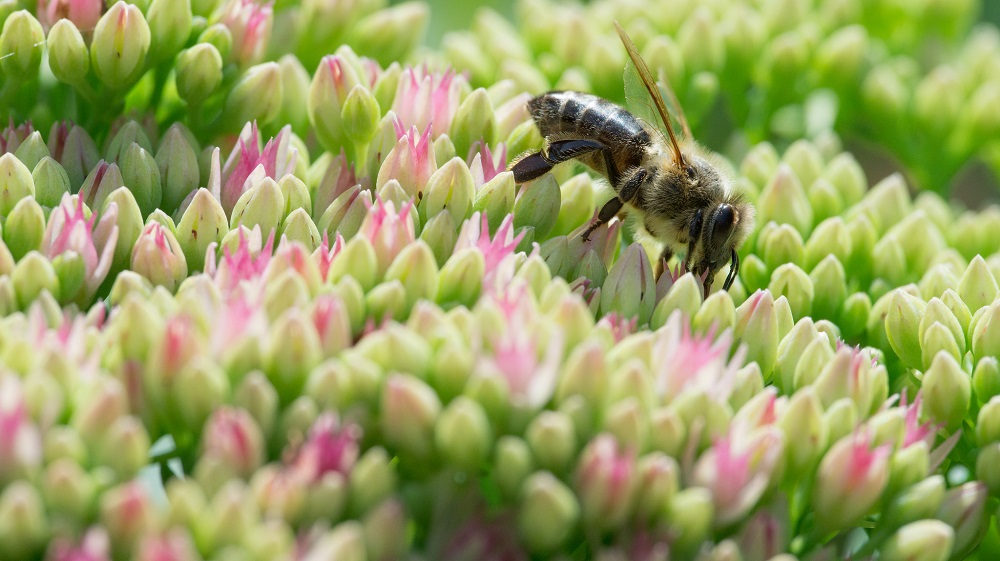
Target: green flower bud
point(795, 285)
point(760, 162)
point(141, 174)
point(15, 183)
point(118, 49)
point(576, 204)
point(33, 275)
point(685, 295)
point(690, 514)
point(199, 72)
point(825, 200)
point(977, 287)
point(298, 227)
point(495, 198)
point(24, 229)
point(24, 528)
point(169, 25)
point(372, 480)
point(964, 509)
point(260, 205)
point(346, 213)
point(461, 278)
point(331, 84)
point(177, 163)
point(417, 271)
point(203, 223)
point(360, 115)
point(548, 513)
point(985, 339)
point(630, 288)
point(917, 502)
point(947, 391)
point(805, 160)
point(218, 36)
point(410, 410)
point(51, 181)
point(815, 360)
point(847, 176)
point(936, 280)
point(32, 150)
point(463, 435)
point(256, 95)
point(841, 418)
point(754, 273)
point(21, 41)
point(100, 183)
point(757, 325)
point(830, 284)
point(474, 122)
point(512, 464)
point(986, 379)
point(902, 323)
point(124, 447)
point(158, 257)
point(718, 310)
point(784, 201)
point(69, 490)
point(391, 33)
point(552, 439)
point(450, 188)
point(831, 237)
point(538, 205)
point(805, 432)
point(924, 540)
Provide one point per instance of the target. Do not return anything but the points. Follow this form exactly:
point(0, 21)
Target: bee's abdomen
point(587, 116)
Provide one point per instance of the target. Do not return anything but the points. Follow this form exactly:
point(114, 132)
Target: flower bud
point(924, 540)
point(169, 26)
point(118, 49)
point(902, 326)
point(24, 229)
point(450, 189)
point(552, 438)
point(24, 528)
point(690, 514)
point(685, 295)
point(781, 244)
point(917, 502)
point(127, 512)
point(411, 409)
point(333, 81)
point(177, 163)
point(784, 201)
point(512, 464)
point(142, 176)
point(32, 150)
point(474, 121)
point(233, 437)
point(256, 95)
point(964, 509)
point(538, 205)
point(372, 480)
point(391, 33)
point(986, 379)
point(794, 284)
point(548, 513)
point(158, 257)
point(805, 432)
point(20, 40)
point(630, 287)
point(850, 480)
point(69, 489)
point(15, 183)
point(51, 181)
point(199, 73)
point(757, 325)
point(495, 199)
point(985, 339)
point(606, 481)
point(33, 275)
point(947, 391)
point(461, 279)
point(463, 435)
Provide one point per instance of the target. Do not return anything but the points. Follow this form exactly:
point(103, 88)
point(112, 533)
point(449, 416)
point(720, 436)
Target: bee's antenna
point(654, 92)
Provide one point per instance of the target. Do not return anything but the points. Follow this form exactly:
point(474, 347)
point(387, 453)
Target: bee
point(680, 196)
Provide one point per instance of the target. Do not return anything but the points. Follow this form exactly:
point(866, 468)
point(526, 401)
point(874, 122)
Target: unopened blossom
point(498, 250)
point(70, 231)
point(12, 136)
point(83, 13)
point(411, 161)
point(233, 437)
point(242, 269)
point(529, 369)
point(250, 23)
point(94, 546)
point(915, 431)
point(427, 100)
point(248, 163)
point(158, 257)
point(330, 447)
point(485, 165)
point(607, 482)
point(20, 440)
point(324, 254)
point(851, 478)
point(685, 360)
point(620, 326)
point(388, 231)
point(737, 470)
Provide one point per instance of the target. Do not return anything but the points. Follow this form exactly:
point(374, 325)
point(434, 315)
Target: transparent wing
point(647, 81)
point(638, 102)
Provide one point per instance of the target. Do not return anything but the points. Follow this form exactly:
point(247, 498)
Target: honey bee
point(680, 196)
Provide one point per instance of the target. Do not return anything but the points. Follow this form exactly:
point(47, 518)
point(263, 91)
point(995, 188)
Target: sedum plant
point(269, 291)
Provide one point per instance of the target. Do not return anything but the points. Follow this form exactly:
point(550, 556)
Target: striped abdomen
point(580, 115)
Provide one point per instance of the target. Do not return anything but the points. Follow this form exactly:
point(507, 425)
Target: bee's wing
point(649, 84)
point(638, 102)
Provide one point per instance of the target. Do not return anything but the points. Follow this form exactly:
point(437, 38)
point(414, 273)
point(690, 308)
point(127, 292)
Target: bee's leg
point(535, 165)
point(661, 263)
point(625, 194)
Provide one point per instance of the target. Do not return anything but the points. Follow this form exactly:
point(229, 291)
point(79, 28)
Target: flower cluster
point(268, 291)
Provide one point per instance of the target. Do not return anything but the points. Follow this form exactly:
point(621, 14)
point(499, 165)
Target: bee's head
point(717, 231)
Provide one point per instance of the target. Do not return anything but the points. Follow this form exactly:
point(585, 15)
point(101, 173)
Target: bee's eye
point(689, 170)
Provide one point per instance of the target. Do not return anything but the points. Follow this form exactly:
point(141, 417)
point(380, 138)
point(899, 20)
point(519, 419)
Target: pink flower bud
point(174, 545)
point(426, 100)
point(83, 13)
point(411, 161)
point(330, 447)
point(70, 230)
point(389, 231)
point(234, 437)
point(485, 165)
point(249, 22)
point(128, 513)
point(606, 482)
point(20, 440)
point(94, 546)
point(686, 360)
point(248, 161)
point(851, 478)
point(497, 252)
point(158, 256)
point(241, 270)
